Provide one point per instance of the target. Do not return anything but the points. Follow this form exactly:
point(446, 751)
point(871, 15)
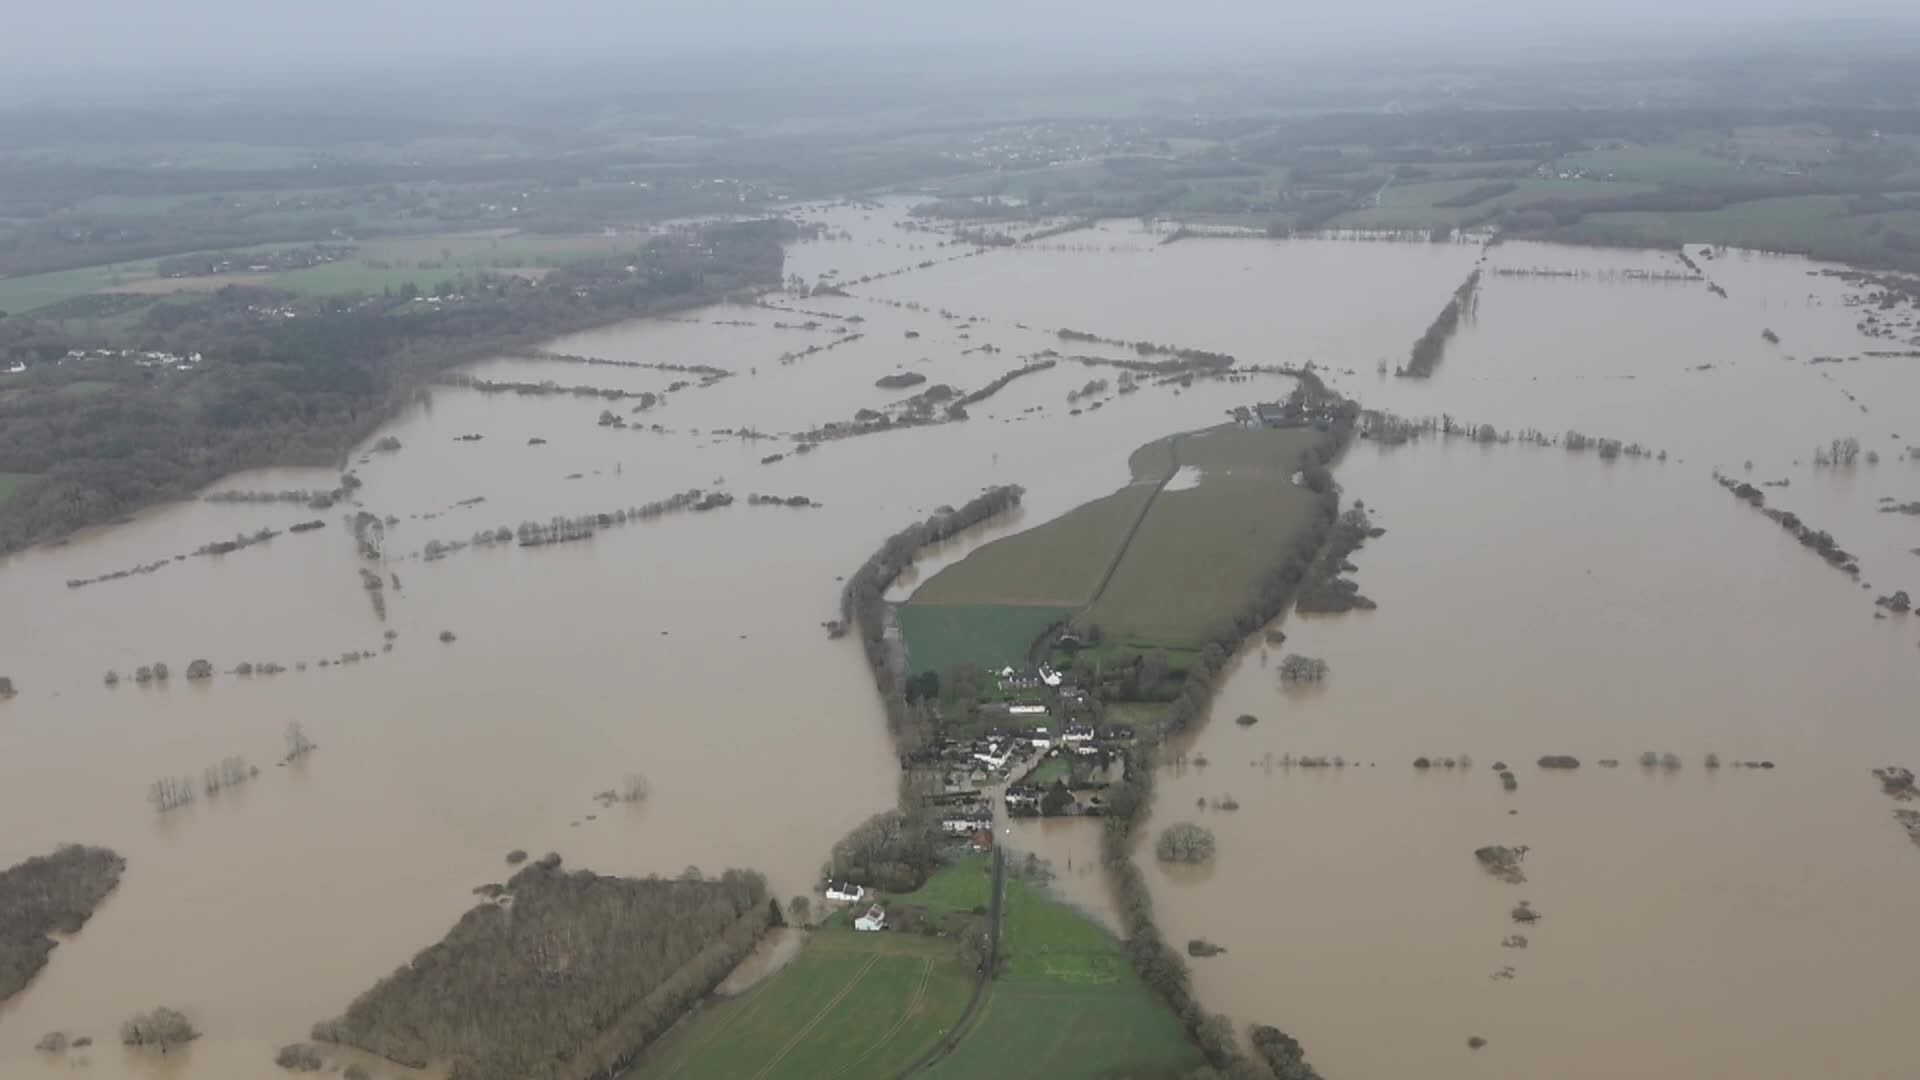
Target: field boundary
point(1173, 470)
point(982, 989)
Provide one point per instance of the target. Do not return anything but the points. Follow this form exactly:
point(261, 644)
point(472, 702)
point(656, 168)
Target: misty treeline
point(544, 388)
point(49, 894)
point(301, 390)
point(563, 976)
point(1432, 344)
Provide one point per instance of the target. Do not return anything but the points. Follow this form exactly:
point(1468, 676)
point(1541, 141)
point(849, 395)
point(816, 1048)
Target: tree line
point(1426, 352)
point(49, 894)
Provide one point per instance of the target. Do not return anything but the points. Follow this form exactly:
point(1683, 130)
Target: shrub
point(163, 1027)
point(516, 857)
point(299, 1057)
point(1559, 761)
point(52, 1042)
point(1185, 842)
point(1246, 720)
point(357, 1072)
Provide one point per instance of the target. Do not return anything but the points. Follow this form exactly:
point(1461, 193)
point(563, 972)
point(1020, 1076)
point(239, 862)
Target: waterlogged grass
point(991, 636)
point(1066, 1005)
point(1202, 550)
point(1058, 564)
point(850, 1005)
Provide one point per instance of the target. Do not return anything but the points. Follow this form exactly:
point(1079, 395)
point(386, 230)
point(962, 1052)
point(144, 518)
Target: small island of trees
point(46, 895)
point(1185, 842)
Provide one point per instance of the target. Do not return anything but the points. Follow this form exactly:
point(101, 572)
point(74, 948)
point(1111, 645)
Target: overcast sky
point(79, 36)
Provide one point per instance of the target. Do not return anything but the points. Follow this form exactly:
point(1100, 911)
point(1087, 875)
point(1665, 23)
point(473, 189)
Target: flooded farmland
point(1532, 601)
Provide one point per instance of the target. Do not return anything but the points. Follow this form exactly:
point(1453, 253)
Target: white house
point(1026, 710)
point(1077, 733)
point(966, 825)
point(845, 890)
point(1049, 676)
point(1040, 739)
point(874, 919)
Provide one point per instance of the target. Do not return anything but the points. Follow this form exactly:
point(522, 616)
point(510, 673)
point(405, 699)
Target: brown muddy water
point(1530, 603)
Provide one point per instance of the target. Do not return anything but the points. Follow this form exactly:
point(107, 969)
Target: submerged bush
point(1185, 842)
point(163, 1027)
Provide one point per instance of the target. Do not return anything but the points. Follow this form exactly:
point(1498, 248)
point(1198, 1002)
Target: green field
point(1411, 206)
point(1659, 163)
point(1200, 551)
point(1057, 564)
point(850, 1005)
point(962, 886)
point(1066, 1004)
point(1809, 223)
point(19, 295)
point(1174, 559)
point(990, 636)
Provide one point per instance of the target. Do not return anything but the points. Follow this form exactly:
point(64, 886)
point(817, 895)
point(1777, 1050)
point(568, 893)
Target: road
point(959, 1029)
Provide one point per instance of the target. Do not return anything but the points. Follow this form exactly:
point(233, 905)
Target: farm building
point(874, 919)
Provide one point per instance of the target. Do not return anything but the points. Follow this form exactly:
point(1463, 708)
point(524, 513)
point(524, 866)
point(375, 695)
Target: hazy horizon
point(49, 46)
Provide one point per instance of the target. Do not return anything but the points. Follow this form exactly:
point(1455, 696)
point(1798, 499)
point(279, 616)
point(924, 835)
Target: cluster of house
point(140, 358)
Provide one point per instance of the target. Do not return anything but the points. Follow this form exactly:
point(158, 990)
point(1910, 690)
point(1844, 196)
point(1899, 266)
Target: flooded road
point(1531, 602)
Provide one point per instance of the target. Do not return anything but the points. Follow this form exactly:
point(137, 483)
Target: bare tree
point(634, 788)
point(298, 745)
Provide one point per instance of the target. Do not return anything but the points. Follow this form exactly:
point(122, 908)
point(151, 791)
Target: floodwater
point(1531, 602)
point(1696, 922)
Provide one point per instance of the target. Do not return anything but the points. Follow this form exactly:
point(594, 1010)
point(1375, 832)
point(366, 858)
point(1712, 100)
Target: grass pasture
point(991, 636)
point(1056, 564)
point(1066, 1005)
point(849, 1005)
point(1200, 551)
point(1156, 565)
